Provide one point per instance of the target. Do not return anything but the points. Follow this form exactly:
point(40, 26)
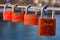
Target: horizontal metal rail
point(2, 5)
point(48, 8)
point(53, 8)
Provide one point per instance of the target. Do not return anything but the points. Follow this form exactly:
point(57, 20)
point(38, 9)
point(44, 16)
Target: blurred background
point(34, 2)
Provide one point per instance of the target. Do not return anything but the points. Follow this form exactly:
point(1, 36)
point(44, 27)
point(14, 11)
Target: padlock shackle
point(6, 5)
point(28, 6)
point(26, 12)
point(42, 10)
point(15, 6)
point(53, 14)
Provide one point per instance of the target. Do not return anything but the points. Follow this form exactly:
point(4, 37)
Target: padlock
point(30, 19)
point(7, 15)
point(17, 17)
point(47, 26)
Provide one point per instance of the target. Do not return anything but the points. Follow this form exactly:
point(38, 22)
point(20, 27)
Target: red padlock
point(7, 15)
point(47, 26)
point(17, 17)
point(30, 19)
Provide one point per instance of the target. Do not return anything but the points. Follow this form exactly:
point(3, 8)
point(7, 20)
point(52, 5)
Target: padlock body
point(17, 17)
point(30, 19)
point(7, 15)
point(47, 27)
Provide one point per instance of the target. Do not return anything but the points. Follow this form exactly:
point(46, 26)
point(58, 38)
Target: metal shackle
point(15, 6)
point(42, 11)
point(29, 7)
point(6, 6)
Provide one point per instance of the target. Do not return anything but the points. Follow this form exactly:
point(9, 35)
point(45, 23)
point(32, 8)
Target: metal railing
point(48, 8)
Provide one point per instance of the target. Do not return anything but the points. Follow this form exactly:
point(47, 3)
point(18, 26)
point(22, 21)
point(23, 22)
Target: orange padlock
point(47, 26)
point(30, 19)
point(17, 17)
point(7, 15)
